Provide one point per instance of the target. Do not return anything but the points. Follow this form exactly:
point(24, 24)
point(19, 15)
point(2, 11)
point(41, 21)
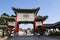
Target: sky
point(51, 8)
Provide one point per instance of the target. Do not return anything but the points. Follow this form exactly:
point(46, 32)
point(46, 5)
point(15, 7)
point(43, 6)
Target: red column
point(42, 26)
point(16, 26)
point(34, 24)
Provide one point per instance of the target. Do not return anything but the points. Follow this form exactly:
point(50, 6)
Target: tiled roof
point(20, 10)
point(9, 18)
point(57, 24)
point(38, 18)
point(48, 25)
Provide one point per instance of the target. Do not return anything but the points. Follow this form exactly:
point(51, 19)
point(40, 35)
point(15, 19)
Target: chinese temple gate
point(25, 16)
point(28, 16)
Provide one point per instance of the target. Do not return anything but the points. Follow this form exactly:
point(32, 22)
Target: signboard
point(38, 23)
point(25, 17)
point(11, 23)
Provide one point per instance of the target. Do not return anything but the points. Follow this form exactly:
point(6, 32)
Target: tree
point(28, 28)
point(40, 30)
point(2, 21)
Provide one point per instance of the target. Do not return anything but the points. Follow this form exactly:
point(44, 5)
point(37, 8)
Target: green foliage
point(54, 34)
point(40, 30)
point(9, 31)
point(2, 21)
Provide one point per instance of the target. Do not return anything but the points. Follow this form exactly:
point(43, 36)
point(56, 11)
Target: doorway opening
point(25, 29)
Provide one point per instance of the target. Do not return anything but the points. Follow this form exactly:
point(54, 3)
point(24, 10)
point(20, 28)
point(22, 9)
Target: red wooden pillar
point(16, 26)
point(42, 25)
point(34, 24)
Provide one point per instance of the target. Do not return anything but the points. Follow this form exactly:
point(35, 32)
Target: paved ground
point(3, 38)
point(34, 38)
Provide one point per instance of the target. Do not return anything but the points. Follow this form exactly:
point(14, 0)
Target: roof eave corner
point(37, 9)
point(13, 8)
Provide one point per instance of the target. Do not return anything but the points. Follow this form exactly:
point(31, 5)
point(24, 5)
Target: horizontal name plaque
point(25, 17)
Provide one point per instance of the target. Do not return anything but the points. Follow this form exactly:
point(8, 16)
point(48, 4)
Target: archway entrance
point(25, 26)
point(25, 29)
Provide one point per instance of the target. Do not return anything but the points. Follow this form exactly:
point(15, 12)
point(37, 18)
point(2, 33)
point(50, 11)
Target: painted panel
point(25, 17)
point(38, 23)
point(11, 23)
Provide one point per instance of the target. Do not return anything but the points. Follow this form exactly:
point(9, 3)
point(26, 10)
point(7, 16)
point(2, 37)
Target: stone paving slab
point(5, 38)
point(32, 38)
